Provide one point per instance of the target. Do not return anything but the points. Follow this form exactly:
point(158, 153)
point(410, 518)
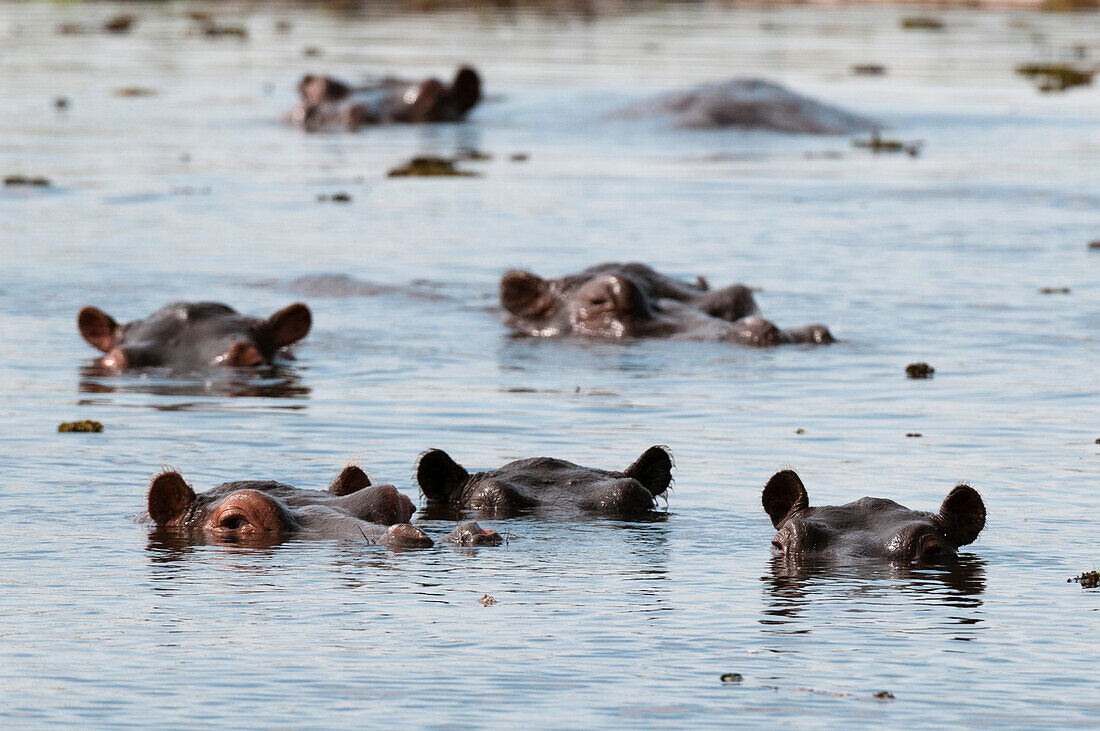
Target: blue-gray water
point(199, 192)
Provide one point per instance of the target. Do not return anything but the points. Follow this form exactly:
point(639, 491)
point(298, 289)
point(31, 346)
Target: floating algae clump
point(919, 370)
point(17, 180)
point(1056, 76)
point(922, 22)
point(428, 166)
point(86, 426)
point(877, 144)
point(1087, 580)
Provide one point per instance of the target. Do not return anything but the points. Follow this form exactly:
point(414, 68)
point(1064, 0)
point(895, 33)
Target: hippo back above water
point(869, 527)
point(750, 104)
point(616, 301)
point(547, 485)
point(327, 103)
point(194, 335)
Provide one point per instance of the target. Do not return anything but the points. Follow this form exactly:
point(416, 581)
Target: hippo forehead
point(869, 526)
point(530, 475)
point(209, 319)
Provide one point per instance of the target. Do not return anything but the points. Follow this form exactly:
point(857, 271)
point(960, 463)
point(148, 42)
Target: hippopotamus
point(750, 104)
point(327, 103)
point(193, 336)
point(869, 527)
point(547, 484)
point(613, 300)
point(264, 511)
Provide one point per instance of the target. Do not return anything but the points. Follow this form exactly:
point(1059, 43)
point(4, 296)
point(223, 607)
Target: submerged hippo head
point(194, 335)
point(870, 527)
point(472, 534)
point(543, 482)
point(433, 101)
point(262, 511)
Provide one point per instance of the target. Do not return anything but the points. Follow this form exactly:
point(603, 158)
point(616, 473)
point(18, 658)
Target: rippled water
point(199, 192)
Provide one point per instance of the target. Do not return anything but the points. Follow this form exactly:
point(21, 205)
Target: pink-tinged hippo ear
point(963, 514)
point(466, 89)
point(521, 293)
point(438, 475)
point(784, 494)
point(653, 469)
point(290, 324)
point(170, 499)
point(352, 479)
point(97, 327)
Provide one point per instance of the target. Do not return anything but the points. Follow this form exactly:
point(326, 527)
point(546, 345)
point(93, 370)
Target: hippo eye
point(233, 521)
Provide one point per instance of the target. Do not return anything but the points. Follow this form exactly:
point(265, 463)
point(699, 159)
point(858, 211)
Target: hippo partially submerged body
point(263, 512)
point(869, 527)
point(632, 300)
point(327, 103)
point(546, 484)
point(750, 104)
point(193, 336)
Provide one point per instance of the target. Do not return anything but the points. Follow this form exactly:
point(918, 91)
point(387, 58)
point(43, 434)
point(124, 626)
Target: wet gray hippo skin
point(262, 511)
point(546, 484)
point(632, 300)
point(750, 104)
point(193, 336)
point(327, 103)
point(869, 527)
point(472, 534)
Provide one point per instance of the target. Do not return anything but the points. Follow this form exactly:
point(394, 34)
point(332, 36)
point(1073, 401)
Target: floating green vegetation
point(120, 23)
point(340, 197)
point(135, 91)
point(884, 695)
point(80, 426)
point(429, 166)
point(18, 180)
point(922, 22)
point(1054, 290)
point(731, 677)
point(869, 69)
point(878, 144)
point(919, 370)
point(1056, 76)
point(1087, 580)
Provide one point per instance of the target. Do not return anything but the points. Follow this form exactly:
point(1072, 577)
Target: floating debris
point(340, 197)
point(922, 22)
point(1056, 76)
point(80, 426)
point(877, 144)
point(133, 91)
point(487, 601)
point(120, 23)
point(428, 166)
point(869, 69)
point(23, 180)
point(311, 51)
point(914, 434)
point(800, 431)
point(524, 157)
point(919, 370)
point(1087, 580)
point(211, 29)
point(1054, 290)
point(1094, 245)
point(283, 26)
point(884, 695)
point(474, 155)
point(61, 103)
point(731, 677)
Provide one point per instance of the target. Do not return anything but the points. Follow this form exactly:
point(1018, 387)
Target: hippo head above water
point(193, 336)
point(869, 527)
point(327, 102)
point(549, 484)
point(616, 301)
point(265, 512)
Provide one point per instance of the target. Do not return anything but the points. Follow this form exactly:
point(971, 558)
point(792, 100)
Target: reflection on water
point(275, 381)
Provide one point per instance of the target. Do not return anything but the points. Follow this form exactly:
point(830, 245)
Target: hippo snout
point(404, 535)
point(472, 534)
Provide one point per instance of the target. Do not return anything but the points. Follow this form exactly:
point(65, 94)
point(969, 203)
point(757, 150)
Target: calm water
point(199, 192)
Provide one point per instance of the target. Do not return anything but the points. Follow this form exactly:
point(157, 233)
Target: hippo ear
point(97, 327)
point(170, 498)
point(963, 514)
point(438, 475)
point(466, 89)
point(653, 469)
point(352, 479)
point(290, 324)
point(521, 293)
point(784, 494)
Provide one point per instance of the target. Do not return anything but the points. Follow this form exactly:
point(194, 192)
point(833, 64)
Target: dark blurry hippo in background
point(750, 104)
point(869, 527)
point(193, 336)
point(546, 483)
point(327, 103)
point(265, 512)
point(632, 300)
